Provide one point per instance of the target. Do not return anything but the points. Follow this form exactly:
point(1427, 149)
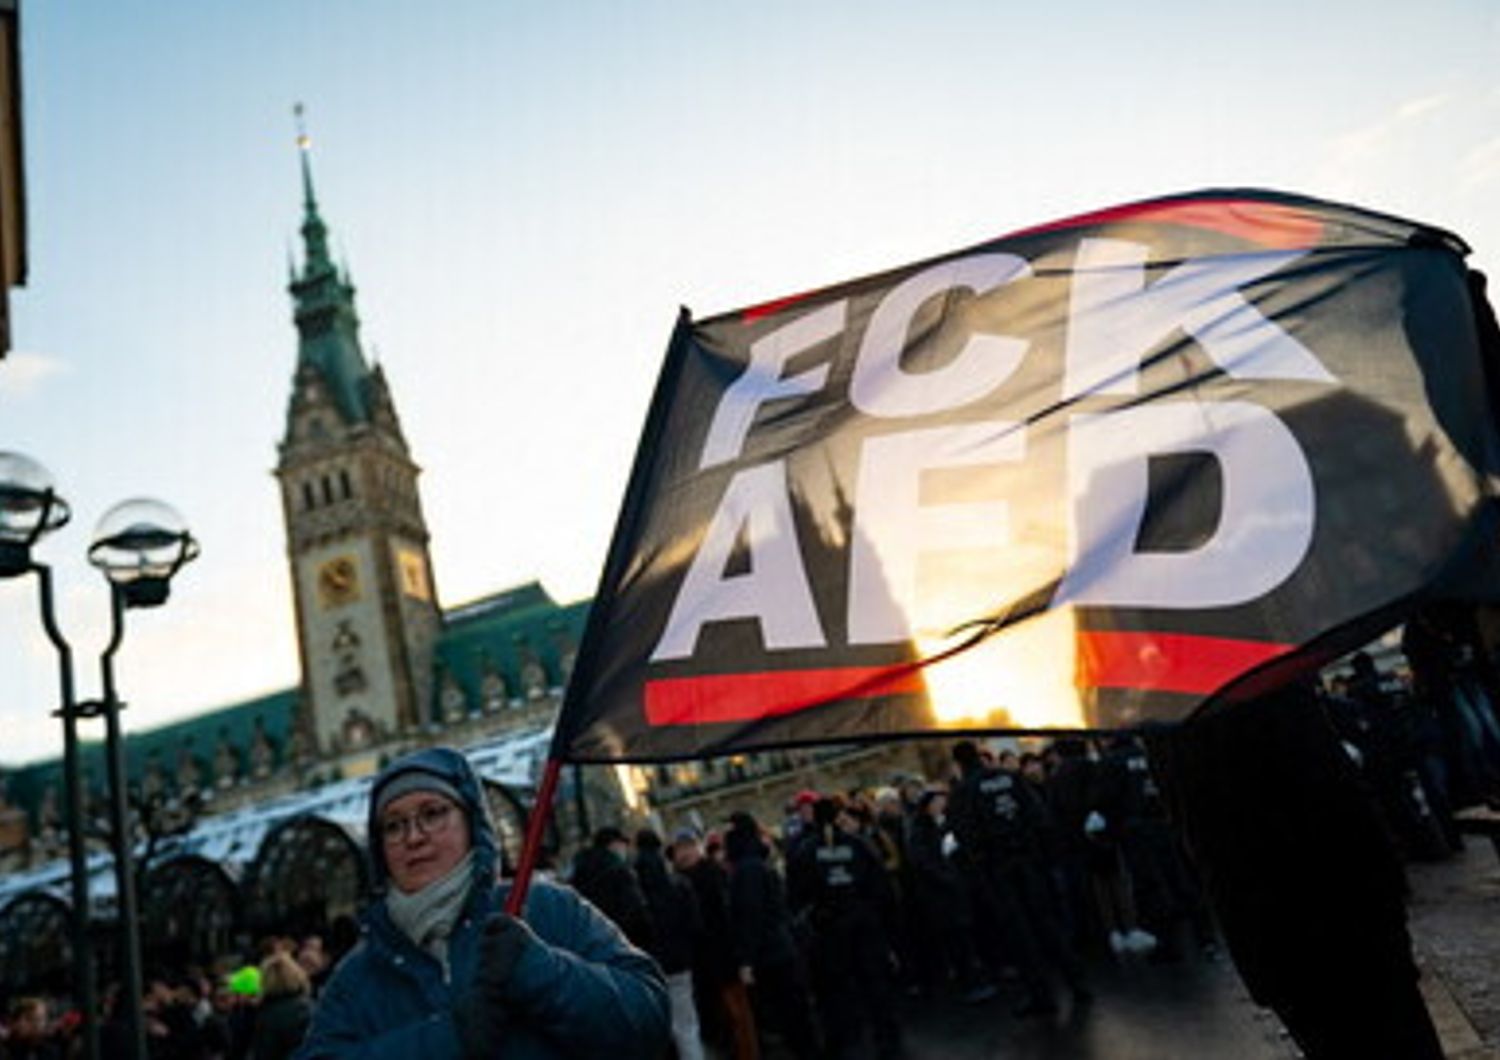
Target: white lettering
point(762, 380)
point(892, 528)
point(1115, 319)
point(774, 591)
point(881, 388)
point(1266, 518)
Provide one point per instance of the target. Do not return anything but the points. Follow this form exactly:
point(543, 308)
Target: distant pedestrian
point(998, 821)
point(285, 1008)
point(717, 982)
point(1168, 895)
point(944, 925)
point(764, 951)
point(602, 873)
point(677, 927)
point(840, 884)
point(30, 1035)
point(313, 958)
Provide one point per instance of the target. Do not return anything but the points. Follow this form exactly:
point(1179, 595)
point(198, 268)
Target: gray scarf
point(427, 917)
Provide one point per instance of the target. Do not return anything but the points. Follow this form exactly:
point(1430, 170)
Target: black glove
point(480, 1015)
point(501, 945)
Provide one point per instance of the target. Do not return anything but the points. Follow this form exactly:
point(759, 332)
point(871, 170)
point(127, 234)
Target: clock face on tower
point(338, 582)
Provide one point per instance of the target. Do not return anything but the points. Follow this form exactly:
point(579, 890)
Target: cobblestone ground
point(1455, 922)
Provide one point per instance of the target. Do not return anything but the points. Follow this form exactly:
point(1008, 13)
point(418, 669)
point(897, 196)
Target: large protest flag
point(1086, 475)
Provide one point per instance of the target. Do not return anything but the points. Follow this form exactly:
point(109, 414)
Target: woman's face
point(423, 836)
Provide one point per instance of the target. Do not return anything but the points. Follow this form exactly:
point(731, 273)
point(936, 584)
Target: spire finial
point(304, 147)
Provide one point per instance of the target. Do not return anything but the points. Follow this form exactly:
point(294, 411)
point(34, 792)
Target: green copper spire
point(323, 305)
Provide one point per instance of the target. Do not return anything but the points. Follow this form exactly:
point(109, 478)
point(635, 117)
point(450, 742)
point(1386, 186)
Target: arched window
point(308, 500)
point(344, 485)
point(190, 910)
point(327, 490)
point(308, 872)
point(35, 948)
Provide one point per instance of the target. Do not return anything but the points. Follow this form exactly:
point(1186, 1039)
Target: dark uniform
point(1166, 890)
point(944, 919)
point(998, 819)
point(839, 884)
point(762, 936)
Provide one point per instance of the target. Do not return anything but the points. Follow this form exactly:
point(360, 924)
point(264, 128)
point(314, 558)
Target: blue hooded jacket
point(585, 992)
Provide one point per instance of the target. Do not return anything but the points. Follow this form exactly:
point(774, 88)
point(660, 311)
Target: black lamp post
point(29, 509)
point(139, 545)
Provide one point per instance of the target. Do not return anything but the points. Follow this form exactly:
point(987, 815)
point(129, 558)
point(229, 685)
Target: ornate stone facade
point(367, 614)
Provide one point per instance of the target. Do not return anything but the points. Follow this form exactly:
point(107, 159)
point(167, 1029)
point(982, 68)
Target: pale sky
point(525, 194)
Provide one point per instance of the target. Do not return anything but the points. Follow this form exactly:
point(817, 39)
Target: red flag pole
point(536, 829)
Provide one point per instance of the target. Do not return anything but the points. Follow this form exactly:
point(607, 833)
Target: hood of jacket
point(451, 766)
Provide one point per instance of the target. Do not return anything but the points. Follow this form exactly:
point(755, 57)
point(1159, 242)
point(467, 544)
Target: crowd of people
point(233, 1011)
point(998, 883)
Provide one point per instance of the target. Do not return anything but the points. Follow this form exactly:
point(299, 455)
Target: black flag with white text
point(1083, 476)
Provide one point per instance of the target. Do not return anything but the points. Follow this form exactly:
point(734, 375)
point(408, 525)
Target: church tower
point(367, 613)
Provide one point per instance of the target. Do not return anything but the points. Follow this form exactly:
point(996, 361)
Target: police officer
point(998, 820)
point(944, 920)
point(836, 880)
point(1165, 888)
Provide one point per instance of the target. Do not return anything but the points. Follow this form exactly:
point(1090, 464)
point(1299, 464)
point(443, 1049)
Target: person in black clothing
point(602, 874)
point(1443, 663)
point(839, 883)
point(764, 951)
point(1382, 734)
point(944, 919)
point(1087, 800)
point(1069, 791)
point(1167, 894)
point(172, 1033)
point(677, 927)
point(997, 820)
point(716, 975)
point(1307, 887)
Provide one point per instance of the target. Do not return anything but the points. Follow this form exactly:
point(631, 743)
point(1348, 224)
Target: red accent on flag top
point(1267, 223)
point(767, 309)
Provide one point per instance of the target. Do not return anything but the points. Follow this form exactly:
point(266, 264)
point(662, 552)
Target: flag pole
point(614, 565)
point(536, 829)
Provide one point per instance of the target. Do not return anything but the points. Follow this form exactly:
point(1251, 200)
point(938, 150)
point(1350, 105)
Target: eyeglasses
point(430, 819)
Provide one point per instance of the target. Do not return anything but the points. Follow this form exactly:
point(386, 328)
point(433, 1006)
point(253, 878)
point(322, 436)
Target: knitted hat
point(415, 780)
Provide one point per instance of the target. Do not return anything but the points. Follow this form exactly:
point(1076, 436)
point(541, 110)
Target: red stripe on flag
point(751, 696)
point(1159, 662)
point(1168, 662)
point(1267, 223)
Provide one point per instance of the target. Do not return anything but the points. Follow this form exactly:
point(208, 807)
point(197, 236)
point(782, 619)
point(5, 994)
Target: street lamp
point(29, 509)
point(139, 545)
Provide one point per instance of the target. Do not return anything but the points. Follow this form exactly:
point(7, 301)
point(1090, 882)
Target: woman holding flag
point(443, 973)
